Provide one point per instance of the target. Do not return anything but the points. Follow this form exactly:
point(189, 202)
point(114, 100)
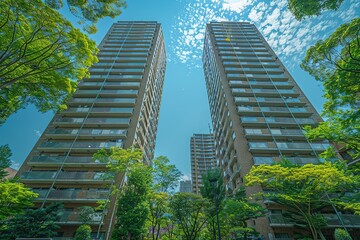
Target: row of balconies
point(349, 220)
point(274, 111)
point(277, 133)
point(264, 84)
point(77, 146)
point(116, 77)
point(85, 133)
point(247, 58)
point(67, 177)
point(106, 93)
point(123, 59)
point(106, 102)
point(75, 161)
point(249, 64)
point(269, 101)
point(91, 122)
point(256, 76)
point(71, 195)
point(97, 111)
point(263, 92)
point(287, 146)
point(109, 85)
point(275, 121)
point(297, 160)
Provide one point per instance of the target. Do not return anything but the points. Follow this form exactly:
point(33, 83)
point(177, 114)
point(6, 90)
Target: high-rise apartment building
point(202, 158)
point(258, 112)
point(117, 106)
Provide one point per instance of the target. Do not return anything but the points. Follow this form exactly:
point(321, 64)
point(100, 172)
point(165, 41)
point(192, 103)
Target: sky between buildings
point(184, 107)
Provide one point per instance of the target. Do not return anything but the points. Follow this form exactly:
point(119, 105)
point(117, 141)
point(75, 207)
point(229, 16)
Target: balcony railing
point(72, 195)
point(277, 220)
point(71, 160)
point(67, 176)
point(74, 218)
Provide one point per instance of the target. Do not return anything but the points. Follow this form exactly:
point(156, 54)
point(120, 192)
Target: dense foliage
point(33, 223)
point(304, 190)
point(304, 8)
point(335, 61)
point(89, 12)
point(5, 162)
point(41, 57)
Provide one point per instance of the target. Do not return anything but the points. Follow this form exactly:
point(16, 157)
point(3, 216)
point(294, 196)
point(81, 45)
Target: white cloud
point(185, 177)
point(236, 5)
point(288, 37)
point(37, 133)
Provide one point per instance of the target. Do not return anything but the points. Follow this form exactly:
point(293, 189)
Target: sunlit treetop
point(90, 11)
point(305, 8)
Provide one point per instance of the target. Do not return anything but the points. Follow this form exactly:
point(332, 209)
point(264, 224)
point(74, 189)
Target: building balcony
point(97, 111)
point(67, 177)
point(86, 133)
point(69, 217)
point(72, 195)
point(277, 133)
point(269, 101)
point(258, 160)
point(263, 92)
point(277, 220)
point(109, 85)
point(300, 147)
point(349, 220)
point(77, 146)
point(275, 77)
point(122, 78)
point(273, 111)
point(106, 102)
point(249, 121)
point(92, 122)
point(106, 93)
point(70, 161)
point(263, 84)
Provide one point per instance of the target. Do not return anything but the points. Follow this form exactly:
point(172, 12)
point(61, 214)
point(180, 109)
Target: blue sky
point(184, 107)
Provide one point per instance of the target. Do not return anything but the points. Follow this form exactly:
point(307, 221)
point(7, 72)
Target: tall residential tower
point(117, 106)
point(258, 112)
point(202, 158)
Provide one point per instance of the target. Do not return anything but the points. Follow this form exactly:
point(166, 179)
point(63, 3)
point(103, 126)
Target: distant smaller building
point(185, 186)
point(202, 158)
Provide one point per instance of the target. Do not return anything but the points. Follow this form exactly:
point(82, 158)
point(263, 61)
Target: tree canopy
point(33, 223)
point(335, 61)
point(41, 57)
point(166, 176)
point(188, 211)
point(89, 12)
point(5, 162)
point(304, 190)
point(304, 8)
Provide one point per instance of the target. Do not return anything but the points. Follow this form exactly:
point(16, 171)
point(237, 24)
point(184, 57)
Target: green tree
point(237, 210)
point(335, 61)
point(33, 223)
point(133, 207)
point(341, 234)
point(304, 190)
point(14, 198)
point(158, 208)
point(41, 57)
point(213, 189)
point(188, 212)
point(83, 232)
point(5, 162)
point(304, 8)
point(166, 176)
point(89, 12)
